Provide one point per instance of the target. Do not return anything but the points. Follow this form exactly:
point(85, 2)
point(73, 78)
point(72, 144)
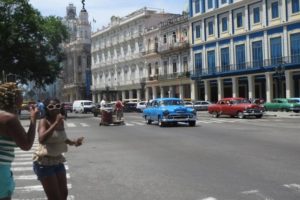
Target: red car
point(239, 107)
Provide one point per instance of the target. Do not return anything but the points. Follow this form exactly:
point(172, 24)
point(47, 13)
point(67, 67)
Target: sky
point(102, 10)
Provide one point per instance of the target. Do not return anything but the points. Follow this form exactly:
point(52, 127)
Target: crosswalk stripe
point(31, 188)
point(28, 168)
point(84, 125)
point(127, 124)
point(31, 177)
point(70, 197)
point(71, 125)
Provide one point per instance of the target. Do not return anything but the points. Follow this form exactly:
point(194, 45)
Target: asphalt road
point(219, 159)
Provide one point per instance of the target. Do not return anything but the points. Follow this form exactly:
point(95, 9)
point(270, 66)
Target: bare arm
point(76, 142)
point(15, 130)
point(45, 130)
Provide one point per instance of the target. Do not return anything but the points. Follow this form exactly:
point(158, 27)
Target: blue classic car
point(169, 110)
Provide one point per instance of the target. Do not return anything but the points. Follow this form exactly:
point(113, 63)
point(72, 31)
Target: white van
point(82, 106)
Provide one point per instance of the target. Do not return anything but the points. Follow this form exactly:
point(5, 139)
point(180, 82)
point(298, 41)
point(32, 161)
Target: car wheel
point(240, 115)
point(192, 123)
point(160, 123)
point(215, 114)
point(258, 116)
point(148, 121)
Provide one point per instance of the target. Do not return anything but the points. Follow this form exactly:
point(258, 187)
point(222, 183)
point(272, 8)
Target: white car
point(201, 105)
point(188, 104)
point(82, 106)
point(141, 106)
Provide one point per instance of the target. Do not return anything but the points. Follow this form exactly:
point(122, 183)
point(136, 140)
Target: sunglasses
point(52, 106)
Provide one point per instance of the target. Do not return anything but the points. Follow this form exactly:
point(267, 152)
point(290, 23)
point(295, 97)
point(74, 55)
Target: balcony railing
point(173, 46)
point(150, 51)
point(265, 65)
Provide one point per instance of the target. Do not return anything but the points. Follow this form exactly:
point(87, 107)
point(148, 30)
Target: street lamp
point(279, 74)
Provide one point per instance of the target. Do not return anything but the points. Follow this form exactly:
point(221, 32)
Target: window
point(224, 24)
point(276, 50)
point(239, 20)
point(274, 7)
point(223, 1)
point(295, 6)
point(165, 39)
point(211, 61)
point(210, 4)
point(174, 37)
point(198, 31)
point(256, 15)
point(257, 54)
point(165, 67)
point(225, 59)
point(174, 67)
point(295, 48)
point(240, 56)
point(197, 6)
point(198, 63)
point(210, 28)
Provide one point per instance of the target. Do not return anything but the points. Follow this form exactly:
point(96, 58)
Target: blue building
point(245, 48)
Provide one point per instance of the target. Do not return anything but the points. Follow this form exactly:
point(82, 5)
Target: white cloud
point(102, 10)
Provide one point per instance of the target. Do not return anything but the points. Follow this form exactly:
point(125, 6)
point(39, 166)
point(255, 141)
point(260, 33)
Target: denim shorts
point(43, 171)
point(7, 184)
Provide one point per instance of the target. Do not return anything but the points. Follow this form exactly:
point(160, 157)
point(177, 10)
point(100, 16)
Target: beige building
point(118, 65)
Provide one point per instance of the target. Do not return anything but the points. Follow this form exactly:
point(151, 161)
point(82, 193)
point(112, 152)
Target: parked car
point(283, 104)
point(140, 106)
point(296, 99)
point(169, 110)
point(239, 107)
point(82, 106)
point(260, 102)
point(68, 106)
point(188, 104)
point(130, 107)
point(201, 105)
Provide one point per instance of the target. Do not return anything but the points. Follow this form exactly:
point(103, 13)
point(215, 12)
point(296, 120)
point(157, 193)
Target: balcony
point(289, 62)
point(169, 47)
point(150, 52)
point(176, 75)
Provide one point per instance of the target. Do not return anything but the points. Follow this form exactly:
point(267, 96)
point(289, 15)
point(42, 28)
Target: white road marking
point(70, 197)
point(127, 124)
point(21, 163)
point(293, 186)
point(84, 125)
point(31, 177)
point(139, 123)
point(31, 188)
point(71, 125)
point(209, 198)
point(257, 193)
point(28, 168)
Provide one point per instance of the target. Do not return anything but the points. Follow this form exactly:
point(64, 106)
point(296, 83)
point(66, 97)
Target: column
point(264, 11)
point(147, 94)
point(154, 92)
point(130, 94)
point(247, 48)
point(251, 87)
point(162, 93)
point(235, 87)
point(194, 91)
point(246, 18)
point(181, 95)
point(289, 82)
point(123, 95)
point(266, 46)
point(94, 98)
point(218, 57)
point(283, 11)
point(230, 24)
point(207, 90)
point(99, 97)
point(269, 86)
point(232, 53)
point(220, 88)
point(138, 94)
point(285, 42)
point(170, 91)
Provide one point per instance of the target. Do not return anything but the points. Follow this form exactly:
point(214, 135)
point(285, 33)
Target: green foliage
point(30, 44)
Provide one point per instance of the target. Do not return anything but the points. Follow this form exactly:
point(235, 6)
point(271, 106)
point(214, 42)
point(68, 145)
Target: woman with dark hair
point(12, 134)
point(48, 159)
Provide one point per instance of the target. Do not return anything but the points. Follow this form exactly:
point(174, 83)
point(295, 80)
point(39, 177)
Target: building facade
point(245, 48)
point(118, 65)
point(77, 63)
point(167, 59)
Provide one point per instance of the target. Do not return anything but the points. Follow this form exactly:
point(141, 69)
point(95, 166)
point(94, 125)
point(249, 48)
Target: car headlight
point(165, 113)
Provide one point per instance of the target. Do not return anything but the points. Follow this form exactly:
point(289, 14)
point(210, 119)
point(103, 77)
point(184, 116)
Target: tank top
point(7, 149)
point(50, 152)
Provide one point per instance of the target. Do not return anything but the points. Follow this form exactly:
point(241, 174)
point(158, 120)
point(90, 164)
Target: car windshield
point(87, 103)
point(171, 102)
point(239, 101)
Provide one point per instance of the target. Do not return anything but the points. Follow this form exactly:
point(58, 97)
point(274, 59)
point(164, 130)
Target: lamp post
point(279, 74)
point(107, 92)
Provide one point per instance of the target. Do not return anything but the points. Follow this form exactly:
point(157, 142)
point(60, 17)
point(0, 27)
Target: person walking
point(12, 134)
point(48, 159)
point(119, 110)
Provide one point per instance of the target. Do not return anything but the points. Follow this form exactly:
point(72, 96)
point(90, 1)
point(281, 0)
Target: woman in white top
point(48, 159)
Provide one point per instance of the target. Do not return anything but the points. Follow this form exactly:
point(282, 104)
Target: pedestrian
point(41, 108)
point(48, 159)
point(102, 103)
point(12, 134)
point(119, 109)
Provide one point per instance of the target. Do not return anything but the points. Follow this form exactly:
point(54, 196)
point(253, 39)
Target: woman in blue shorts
point(12, 135)
point(48, 160)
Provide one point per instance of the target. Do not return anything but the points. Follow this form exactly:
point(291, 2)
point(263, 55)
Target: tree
point(30, 44)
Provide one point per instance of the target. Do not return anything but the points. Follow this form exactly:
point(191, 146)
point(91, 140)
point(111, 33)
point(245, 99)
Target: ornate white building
point(77, 63)
point(118, 65)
